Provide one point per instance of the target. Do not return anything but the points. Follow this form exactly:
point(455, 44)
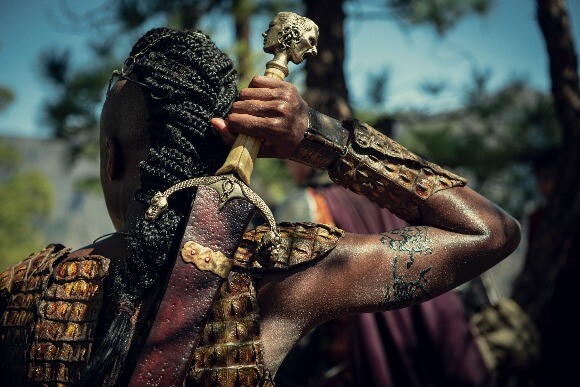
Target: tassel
point(105, 364)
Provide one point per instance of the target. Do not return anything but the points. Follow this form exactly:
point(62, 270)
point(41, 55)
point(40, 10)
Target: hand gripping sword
point(221, 211)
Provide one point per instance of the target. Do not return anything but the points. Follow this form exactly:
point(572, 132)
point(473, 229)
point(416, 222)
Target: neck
point(131, 216)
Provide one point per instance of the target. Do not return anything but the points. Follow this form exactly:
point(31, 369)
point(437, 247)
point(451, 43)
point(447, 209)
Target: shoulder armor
point(300, 242)
point(67, 319)
point(48, 325)
point(20, 275)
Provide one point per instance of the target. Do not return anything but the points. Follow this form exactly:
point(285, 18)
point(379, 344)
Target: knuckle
point(276, 123)
point(286, 95)
point(254, 80)
point(281, 107)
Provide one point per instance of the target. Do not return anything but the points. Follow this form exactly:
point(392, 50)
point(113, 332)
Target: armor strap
point(371, 164)
point(324, 142)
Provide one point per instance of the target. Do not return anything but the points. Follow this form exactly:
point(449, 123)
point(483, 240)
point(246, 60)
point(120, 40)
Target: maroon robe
point(429, 344)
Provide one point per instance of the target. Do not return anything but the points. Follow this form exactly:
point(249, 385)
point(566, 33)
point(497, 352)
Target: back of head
point(186, 81)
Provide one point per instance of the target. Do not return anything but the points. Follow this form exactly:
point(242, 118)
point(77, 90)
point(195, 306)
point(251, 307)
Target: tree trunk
point(325, 81)
point(242, 11)
point(548, 253)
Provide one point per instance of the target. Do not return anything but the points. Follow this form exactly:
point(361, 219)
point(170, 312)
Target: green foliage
point(273, 178)
point(490, 141)
point(433, 87)
point(377, 87)
point(9, 159)
point(90, 184)
point(25, 201)
point(73, 112)
point(133, 13)
point(6, 97)
point(440, 14)
point(56, 65)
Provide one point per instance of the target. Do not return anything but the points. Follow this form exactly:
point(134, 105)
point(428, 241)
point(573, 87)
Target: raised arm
point(456, 233)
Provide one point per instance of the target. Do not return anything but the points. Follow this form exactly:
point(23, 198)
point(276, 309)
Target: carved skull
point(157, 206)
point(294, 34)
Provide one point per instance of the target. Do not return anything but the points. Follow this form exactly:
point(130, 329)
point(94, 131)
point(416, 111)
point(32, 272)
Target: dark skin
point(460, 234)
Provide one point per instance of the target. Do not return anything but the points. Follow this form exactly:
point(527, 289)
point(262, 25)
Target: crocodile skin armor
point(52, 303)
point(230, 350)
point(51, 314)
point(388, 174)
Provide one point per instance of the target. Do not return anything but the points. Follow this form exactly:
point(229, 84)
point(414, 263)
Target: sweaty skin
point(460, 233)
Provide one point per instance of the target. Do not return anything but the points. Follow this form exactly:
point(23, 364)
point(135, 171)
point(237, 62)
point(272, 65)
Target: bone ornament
point(290, 37)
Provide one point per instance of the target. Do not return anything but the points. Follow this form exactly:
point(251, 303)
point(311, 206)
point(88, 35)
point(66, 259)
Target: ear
point(114, 158)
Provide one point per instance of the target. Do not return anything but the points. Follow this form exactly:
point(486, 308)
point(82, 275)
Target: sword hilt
point(289, 37)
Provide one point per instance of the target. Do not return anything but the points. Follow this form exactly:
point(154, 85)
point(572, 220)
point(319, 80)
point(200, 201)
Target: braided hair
point(187, 81)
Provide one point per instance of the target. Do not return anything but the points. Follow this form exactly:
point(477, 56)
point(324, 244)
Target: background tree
point(73, 113)
point(6, 97)
point(25, 201)
point(560, 226)
point(26, 198)
point(490, 140)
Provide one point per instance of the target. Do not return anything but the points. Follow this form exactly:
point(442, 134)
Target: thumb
point(221, 126)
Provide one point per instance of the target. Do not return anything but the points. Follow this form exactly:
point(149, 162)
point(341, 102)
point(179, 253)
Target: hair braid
point(190, 81)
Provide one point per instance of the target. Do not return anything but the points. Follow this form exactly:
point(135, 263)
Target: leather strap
point(190, 292)
point(324, 142)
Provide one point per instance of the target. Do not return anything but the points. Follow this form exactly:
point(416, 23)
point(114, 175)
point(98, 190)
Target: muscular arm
point(456, 235)
point(461, 235)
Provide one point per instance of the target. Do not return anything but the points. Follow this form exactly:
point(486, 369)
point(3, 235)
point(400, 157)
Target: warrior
point(82, 316)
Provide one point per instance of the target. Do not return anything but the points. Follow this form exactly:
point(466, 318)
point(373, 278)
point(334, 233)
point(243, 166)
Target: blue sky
point(507, 42)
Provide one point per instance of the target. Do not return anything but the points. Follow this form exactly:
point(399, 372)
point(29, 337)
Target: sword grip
point(245, 149)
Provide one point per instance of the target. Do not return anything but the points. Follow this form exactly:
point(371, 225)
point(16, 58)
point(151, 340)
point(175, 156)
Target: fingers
point(223, 130)
point(258, 127)
point(270, 110)
point(229, 137)
point(262, 81)
point(276, 108)
point(267, 89)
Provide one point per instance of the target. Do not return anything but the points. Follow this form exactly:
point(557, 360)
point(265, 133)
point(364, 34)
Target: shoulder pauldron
point(301, 242)
point(53, 304)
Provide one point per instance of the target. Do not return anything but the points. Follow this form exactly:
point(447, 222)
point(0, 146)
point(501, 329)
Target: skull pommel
point(291, 37)
point(157, 207)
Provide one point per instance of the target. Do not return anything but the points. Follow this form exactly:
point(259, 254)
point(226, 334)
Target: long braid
point(188, 81)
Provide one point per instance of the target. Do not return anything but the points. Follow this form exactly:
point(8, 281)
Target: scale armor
point(53, 304)
point(50, 318)
point(230, 350)
point(367, 162)
point(388, 174)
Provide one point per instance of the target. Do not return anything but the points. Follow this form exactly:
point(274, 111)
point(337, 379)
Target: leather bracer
point(369, 163)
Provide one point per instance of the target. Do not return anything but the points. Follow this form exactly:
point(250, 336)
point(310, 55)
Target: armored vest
point(52, 302)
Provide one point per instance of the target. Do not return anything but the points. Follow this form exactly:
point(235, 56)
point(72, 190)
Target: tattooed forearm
point(404, 292)
point(410, 240)
point(408, 243)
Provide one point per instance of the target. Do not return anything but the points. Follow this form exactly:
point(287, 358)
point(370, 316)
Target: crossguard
point(289, 37)
point(228, 187)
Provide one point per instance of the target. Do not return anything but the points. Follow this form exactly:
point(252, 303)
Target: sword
point(220, 214)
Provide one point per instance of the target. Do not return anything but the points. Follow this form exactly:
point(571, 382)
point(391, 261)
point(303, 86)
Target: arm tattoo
point(408, 243)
